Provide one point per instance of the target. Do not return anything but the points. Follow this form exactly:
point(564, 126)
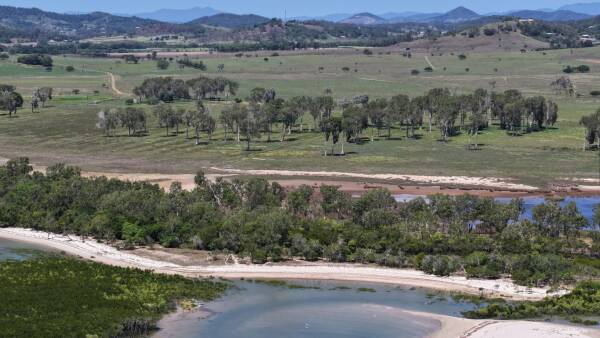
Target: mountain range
point(179, 15)
point(577, 11)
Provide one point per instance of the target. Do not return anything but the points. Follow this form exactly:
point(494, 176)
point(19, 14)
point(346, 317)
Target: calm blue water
point(263, 311)
point(584, 204)
point(17, 251)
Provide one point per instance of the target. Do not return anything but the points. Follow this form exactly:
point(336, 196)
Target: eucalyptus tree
point(537, 109)
point(447, 113)
point(43, 94)
point(437, 98)
point(232, 117)
point(332, 130)
point(414, 117)
point(10, 100)
point(377, 111)
point(354, 121)
point(165, 116)
point(320, 107)
point(257, 95)
point(551, 113)
point(134, 119)
point(272, 111)
point(291, 112)
point(397, 109)
point(108, 121)
point(250, 124)
point(591, 123)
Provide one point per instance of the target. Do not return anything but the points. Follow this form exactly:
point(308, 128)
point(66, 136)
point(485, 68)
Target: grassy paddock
point(65, 130)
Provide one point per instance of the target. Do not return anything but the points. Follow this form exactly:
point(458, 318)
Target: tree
point(354, 121)
point(476, 120)
point(414, 117)
point(377, 110)
point(448, 109)
point(250, 124)
point(291, 112)
point(166, 116)
point(552, 113)
point(537, 109)
point(397, 110)
point(564, 85)
point(162, 64)
point(271, 114)
point(436, 99)
point(43, 94)
point(108, 120)
point(134, 119)
point(199, 119)
point(232, 117)
point(10, 100)
point(257, 95)
point(591, 123)
point(332, 128)
point(36, 60)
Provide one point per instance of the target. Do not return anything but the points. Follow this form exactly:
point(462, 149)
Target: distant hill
point(38, 23)
point(591, 8)
point(459, 14)
point(231, 20)
point(560, 15)
point(418, 17)
point(364, 19)
point(179, 15)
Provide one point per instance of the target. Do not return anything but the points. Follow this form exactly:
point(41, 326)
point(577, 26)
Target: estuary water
point(18, 251)
point(585, 204)
point(315, 309)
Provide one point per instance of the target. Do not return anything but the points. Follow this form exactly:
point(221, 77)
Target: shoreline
point(103, 253)
point(450, 327)
point(358, 183)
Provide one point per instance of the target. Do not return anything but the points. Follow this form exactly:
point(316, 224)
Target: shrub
point(482, 265)
point(70, 69)
point(36, 60)
point(440, 265)
point(462, 57)
point(428, 69)
point(490, 31)
point(595, 93)
point(162, 64)
point(414, 72)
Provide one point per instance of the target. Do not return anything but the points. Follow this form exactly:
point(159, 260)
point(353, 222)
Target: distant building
point(526, 20)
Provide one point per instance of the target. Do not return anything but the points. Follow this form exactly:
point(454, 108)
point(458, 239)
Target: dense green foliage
point(584, 301)
point(263, 221)
point(66, 297)
point(35, 60)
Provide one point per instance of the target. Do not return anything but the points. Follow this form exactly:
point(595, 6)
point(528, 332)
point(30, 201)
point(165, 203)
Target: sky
point(278, 8)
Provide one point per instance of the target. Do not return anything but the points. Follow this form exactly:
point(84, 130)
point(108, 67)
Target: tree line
point(263, 110)
point(253, 218)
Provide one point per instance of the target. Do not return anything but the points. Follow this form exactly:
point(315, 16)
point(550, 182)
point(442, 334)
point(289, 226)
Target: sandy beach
point(103, 253)
point(450, 326)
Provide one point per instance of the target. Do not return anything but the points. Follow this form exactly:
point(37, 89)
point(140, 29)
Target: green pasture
point(65, 130)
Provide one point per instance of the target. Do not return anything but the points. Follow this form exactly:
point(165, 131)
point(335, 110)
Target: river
point(585, 204)
point(315, 309)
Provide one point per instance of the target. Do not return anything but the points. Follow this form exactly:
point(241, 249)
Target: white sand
point(91, 249)
point(451, 327)
point(491, 182)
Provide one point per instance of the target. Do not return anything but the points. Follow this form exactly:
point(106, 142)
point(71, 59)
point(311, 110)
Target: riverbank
point(358, 183)
point(103, 253)
point(449, 326)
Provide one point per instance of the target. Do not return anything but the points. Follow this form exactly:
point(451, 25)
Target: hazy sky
point(277, 8)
